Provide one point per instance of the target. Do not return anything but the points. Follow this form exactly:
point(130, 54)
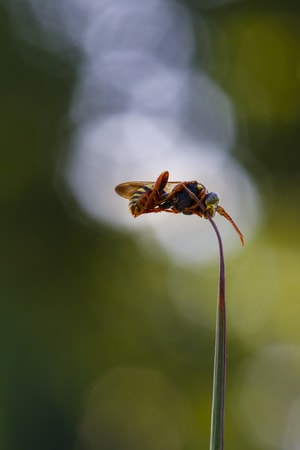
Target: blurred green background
point(94, 351)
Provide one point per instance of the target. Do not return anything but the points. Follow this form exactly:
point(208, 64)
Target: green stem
point(219, 381)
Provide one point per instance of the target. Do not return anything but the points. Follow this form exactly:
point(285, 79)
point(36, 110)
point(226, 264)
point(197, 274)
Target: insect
point(188, 197)
point(146, 196)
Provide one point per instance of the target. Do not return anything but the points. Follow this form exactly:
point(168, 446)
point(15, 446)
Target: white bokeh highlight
point(140, 107)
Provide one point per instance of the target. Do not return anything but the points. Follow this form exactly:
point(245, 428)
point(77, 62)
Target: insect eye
point(211, 202)
point(212, 198)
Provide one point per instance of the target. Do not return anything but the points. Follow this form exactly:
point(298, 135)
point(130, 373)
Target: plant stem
point(218, 400)
point(219, 381)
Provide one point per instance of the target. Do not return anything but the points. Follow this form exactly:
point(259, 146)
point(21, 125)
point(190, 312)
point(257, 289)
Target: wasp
point(146, 196)
point(188, 197)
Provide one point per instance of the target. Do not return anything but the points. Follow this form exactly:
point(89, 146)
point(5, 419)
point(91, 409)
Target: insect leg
point(197, 200)
point(160, 209)
point(223, 213)
point(157, 190)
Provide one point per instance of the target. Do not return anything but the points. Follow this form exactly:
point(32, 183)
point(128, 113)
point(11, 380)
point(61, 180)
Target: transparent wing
point(127, 189)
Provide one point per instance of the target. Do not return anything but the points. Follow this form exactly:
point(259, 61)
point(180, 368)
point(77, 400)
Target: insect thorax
point(182, 200)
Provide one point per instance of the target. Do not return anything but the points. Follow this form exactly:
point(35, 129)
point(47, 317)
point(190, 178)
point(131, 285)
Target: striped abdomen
point(139, 199)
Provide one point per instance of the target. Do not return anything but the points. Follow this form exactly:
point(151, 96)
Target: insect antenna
point(223, 213)
point(220, 210)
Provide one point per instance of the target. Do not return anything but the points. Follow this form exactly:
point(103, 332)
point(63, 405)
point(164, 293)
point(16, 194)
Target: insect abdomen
point(138, 200)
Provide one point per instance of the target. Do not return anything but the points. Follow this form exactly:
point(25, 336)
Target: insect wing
point(170, 186)
point(127, 189)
